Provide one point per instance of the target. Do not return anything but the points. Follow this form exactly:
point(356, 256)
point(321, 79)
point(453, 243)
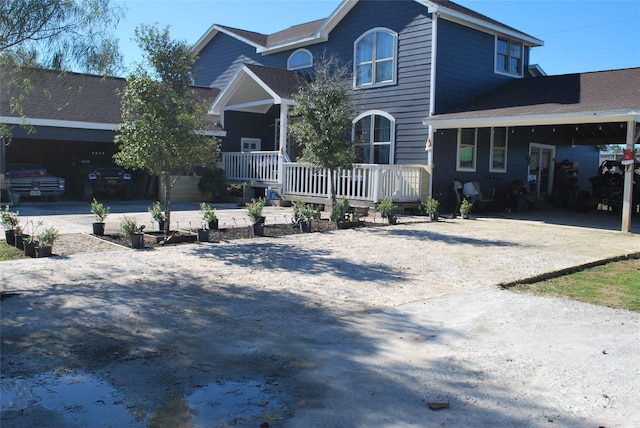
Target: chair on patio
point(481, 202)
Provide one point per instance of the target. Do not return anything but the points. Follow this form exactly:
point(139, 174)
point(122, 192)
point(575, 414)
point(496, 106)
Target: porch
point(362, 185)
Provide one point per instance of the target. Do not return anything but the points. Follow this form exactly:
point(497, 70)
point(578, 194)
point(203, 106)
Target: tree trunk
point(332, 190)
point(167, 204)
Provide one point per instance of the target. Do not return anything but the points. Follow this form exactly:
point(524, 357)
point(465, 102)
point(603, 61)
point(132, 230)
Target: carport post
point(628, 180)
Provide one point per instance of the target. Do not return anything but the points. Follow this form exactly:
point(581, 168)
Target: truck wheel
point(87, 192)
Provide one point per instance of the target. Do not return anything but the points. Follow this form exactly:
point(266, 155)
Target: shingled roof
point(85, 101)
point(285, 83)
point(314, 30)
point(594, 95)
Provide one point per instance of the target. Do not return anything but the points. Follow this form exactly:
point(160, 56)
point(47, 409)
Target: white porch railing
point(260, 167)
point(364, 182)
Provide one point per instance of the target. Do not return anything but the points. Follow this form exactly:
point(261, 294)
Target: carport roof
point(603, 96)
point(70, 100)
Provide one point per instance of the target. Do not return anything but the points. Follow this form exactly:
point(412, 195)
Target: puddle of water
point(85, 400)
point(79, 397)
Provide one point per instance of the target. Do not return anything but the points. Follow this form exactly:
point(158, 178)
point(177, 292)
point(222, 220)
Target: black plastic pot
point(30, 248)
point(213, 224)
point(203, 235)
point(44, 251)
point(137, 240)
point(98, 229)
point(10, 236)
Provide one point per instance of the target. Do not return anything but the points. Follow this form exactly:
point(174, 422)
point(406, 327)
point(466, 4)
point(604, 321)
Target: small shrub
point(48, 236)
point(208, 213)
point(385, 207)
point(129, 226)
point(254, 209)
point(99, 210)
point(157, 212)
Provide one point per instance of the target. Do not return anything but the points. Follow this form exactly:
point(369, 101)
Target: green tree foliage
point(163, 122)
point(325, 111)
point(60, 34)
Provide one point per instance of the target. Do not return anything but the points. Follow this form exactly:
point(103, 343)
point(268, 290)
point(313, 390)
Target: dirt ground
point(361, 327)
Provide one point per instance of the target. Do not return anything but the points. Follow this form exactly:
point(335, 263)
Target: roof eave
point(533, 120)
point(479, 24)
point(318, 38)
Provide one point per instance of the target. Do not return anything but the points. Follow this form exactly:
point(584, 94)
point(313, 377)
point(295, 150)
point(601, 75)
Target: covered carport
point(592, 109)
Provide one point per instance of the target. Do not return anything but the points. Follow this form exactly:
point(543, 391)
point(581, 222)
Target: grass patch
point(615, 285)
point(9, 252)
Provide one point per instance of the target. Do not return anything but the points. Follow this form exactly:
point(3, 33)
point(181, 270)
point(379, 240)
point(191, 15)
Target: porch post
point(284, 125)
point(628, 180)
point(429, 148)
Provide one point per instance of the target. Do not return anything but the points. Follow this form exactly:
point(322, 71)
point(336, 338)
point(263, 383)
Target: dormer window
point(509, 55)
point(375, 58)
point(301, 58)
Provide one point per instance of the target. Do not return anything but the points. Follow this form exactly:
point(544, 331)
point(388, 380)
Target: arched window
point(374, 135)
point(375, 58)
point(301, 58)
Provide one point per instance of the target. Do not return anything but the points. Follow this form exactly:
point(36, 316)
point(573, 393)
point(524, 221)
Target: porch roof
point(597, 97)
point(255, 88)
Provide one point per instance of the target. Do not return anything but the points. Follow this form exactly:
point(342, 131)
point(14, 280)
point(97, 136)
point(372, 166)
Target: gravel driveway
point(366, 327)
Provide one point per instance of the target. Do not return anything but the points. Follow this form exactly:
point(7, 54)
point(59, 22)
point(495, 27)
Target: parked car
point(29, 179)
point(106, 179)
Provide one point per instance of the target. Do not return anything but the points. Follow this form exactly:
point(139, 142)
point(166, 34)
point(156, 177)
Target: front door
point(540, 175)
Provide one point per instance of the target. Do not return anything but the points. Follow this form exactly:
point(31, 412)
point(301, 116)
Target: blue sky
point(579, 36)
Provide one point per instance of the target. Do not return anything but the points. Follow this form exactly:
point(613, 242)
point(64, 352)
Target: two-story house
point(436, 87)
point(441, 93)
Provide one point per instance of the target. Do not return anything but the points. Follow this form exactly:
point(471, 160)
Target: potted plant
point(46, 239)
point(254, 211)
point(30, 241)
point(129, 227)
point(158, 215)
point(209, 216)
point(465, 208)
point(303, 214)
point(431, 206)
point(100, 212)
point(385, 207)
point(10, 222)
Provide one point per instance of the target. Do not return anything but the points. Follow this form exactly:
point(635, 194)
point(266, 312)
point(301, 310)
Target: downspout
point(432, 98)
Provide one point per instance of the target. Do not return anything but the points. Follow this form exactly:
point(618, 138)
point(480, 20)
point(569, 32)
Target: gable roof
point(318, 31)
point(595, 97)
point(255, 88)
point(70, 100)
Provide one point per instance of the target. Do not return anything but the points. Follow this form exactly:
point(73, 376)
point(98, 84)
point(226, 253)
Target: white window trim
point(391, 82)
point(495, 58)
point(506, 151)
point(289, 67)
point(249, 140)
point(475, 151)
point(392, 143)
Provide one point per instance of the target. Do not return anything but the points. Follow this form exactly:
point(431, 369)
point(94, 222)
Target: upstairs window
point(375, 58)
point(301, 58)
point(509, 55)
point(467, 142)
point(373, 138)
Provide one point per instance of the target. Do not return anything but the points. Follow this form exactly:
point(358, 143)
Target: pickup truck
point(28, 179)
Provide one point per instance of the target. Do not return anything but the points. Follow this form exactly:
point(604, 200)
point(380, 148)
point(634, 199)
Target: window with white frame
point(498, 157)
point(373, 134)
point(301, 58)
point(509, 56)
point(375, 58)
point(251, 144)
point(467, 143)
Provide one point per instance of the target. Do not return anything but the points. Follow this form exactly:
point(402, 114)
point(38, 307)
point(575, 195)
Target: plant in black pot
point(10, 222)
point(209, 216)
point(157, 214)
point(100, 212)
point(129, 228)
point(431, 207)
point(30, 240)
point(303, 214)
point(46, 239)
point(386, 207)
point(254, 211)
point(465, 208)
